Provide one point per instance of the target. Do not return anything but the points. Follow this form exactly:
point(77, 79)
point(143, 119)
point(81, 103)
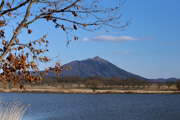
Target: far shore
point(88, 91)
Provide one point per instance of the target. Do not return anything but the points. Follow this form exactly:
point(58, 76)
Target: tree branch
point(95, 23)
point(17, 31)
point(50, 1)
point(15, 8)
point(39, 16)
point(1, 6)
point(70, 6)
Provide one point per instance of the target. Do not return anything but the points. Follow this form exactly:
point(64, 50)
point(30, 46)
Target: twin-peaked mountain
point(94, 67)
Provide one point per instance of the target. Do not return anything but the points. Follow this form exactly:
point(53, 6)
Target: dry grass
point(12, 111)
point(75, 89)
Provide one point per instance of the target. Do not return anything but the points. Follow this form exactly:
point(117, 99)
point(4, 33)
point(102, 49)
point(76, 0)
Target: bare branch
point(39, 16)
point(15, 8)
point(46, 1)
point(70, 6)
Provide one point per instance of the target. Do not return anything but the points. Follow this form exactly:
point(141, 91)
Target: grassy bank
point(83, 89)
point(89, 91)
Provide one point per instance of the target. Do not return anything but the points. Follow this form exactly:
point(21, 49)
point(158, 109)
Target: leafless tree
point(93, 84)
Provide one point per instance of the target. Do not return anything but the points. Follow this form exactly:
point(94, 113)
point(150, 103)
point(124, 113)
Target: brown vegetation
point(12, 111)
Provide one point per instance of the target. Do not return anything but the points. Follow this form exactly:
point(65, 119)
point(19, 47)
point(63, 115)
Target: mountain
point(94, 67)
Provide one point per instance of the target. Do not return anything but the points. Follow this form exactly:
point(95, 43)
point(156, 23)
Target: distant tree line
point(107, 83)
point(97, 82)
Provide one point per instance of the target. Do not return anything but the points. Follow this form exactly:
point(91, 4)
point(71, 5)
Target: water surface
point(98, 106)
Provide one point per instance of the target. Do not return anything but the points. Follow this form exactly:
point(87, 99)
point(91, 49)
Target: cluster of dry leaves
point(17, 67)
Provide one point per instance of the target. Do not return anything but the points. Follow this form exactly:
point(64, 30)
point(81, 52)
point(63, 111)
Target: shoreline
point(89, 91)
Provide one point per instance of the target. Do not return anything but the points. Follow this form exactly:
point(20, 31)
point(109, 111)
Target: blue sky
point(152, 51)
point(149, 46)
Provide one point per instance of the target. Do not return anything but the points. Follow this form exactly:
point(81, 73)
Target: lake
point(98, 106)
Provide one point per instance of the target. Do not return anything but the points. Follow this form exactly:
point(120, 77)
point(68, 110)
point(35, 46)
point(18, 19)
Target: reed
point(12, 111)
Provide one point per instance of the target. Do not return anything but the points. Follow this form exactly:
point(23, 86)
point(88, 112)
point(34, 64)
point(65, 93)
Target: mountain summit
point(95, 67)
point(97, 59)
